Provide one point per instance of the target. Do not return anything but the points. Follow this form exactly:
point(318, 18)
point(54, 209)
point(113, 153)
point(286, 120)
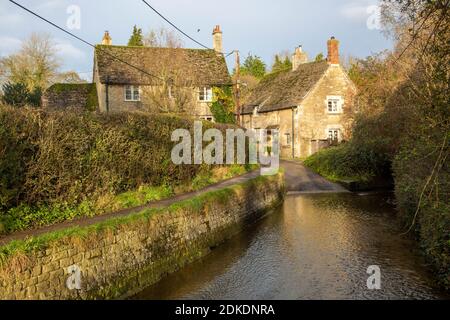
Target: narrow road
point(82, 222)
point(300, 179)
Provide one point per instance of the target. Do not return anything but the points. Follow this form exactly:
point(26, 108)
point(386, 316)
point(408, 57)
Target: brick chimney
point(217, 39)
point(107, 40)
point(298, 58)
point(333, 51)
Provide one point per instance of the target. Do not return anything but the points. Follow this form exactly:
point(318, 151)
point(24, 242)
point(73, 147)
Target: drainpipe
point(293, 132)
point(107, 94)
point(299, 137)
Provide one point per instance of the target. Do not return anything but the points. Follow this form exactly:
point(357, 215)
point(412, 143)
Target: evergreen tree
point(280, 64)
point(136, 39)
point(277, 64)
point(287, 64)
point(319, 57)
point(18, 95)
point(254, 66)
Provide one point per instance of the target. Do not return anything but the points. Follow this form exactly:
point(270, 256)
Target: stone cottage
point(309, 105)
point(165, 79)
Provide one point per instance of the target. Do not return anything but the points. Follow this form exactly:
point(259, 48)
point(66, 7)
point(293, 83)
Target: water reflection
point(314, 247)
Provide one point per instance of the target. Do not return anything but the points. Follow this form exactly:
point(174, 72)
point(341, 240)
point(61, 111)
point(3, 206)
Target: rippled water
point(314, 247)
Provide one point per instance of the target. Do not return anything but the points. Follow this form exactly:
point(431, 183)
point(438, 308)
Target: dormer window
point(132, 93)
point(334, 104)
point(205, 94)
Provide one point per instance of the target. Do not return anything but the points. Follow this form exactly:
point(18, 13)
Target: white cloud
point(52, 4)
point(68, 51)
point(357, 11)
point(9, 45)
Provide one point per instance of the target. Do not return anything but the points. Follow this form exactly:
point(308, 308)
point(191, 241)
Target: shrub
point(348, 162)
point(56, 161)
point(18, 95)
point(427, 205)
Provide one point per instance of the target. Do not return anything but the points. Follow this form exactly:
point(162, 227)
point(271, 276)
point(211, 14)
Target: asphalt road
point(300, 179)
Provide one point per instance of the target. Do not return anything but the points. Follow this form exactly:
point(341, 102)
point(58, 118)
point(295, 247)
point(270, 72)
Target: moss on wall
point(71, 95)
point(122, 255)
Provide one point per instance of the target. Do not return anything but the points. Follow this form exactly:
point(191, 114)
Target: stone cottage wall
point(117, 103)
point(113, 260)
point(314, 117)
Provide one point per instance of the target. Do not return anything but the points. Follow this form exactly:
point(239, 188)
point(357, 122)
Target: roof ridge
point(148, 47)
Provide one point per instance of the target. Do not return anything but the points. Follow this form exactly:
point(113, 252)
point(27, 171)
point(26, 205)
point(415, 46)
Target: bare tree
point(249, 82)
point(164, 38)
point(35, 65)
point(69, 77)
point(175, 92)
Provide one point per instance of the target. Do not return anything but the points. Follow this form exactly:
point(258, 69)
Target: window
point(334, 104)
point(210, 119)
point(205, 94)
point(132, 93)
point(334, 135)
point(288, 138)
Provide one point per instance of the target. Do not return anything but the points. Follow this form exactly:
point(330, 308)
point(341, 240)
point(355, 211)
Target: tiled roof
point(285, 89)
point(185, 66)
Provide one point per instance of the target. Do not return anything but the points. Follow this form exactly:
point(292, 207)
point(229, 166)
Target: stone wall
point(283, 121)
point(121, 256)
point(314, 117)
point(117, 103)
point(65, 95)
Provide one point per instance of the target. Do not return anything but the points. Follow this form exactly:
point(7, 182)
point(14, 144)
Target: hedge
point(60, 164)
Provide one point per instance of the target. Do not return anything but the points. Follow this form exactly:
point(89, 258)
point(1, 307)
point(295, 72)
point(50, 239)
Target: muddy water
point(313, 247)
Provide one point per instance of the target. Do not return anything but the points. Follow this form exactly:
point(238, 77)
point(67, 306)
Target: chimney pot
point(107, 40)
point(298, 58)
point(217, 39)
point(333, 51)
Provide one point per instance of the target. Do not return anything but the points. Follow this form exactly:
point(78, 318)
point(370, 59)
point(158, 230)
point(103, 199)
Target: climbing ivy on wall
point(223, 105)
point(87, 90)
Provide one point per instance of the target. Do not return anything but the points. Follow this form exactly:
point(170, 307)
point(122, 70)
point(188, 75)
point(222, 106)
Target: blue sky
point(261, 27)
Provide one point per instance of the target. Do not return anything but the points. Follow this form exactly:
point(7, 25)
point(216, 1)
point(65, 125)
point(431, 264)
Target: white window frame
point(288, 139)
point(336, 127)
point(339, 103)
point(332, 132)
point(207, 94)
point(132, 90)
